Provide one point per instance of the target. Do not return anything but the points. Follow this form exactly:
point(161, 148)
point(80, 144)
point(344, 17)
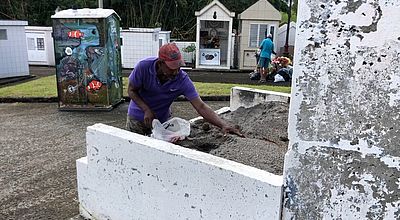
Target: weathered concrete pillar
point(343, 161)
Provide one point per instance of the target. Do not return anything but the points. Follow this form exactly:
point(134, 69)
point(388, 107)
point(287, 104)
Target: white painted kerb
point(248, 97)
point(130, 176)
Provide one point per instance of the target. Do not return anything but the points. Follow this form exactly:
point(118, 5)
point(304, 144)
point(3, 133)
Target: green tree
point(38, 12)
point(293, 13)
point(175, 15)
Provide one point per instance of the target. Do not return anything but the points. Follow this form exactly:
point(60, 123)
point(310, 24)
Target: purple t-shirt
point(157, 96)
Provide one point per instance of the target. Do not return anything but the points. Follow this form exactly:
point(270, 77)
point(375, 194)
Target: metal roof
point(85, 13)
point(13, 23)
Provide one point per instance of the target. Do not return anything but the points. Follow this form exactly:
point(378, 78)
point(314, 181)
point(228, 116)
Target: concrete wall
point(130, 176)
point(343, 160)
point(247, 97)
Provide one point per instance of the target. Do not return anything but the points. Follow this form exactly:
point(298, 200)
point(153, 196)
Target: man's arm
point(209, 115)
point(272, 50)
point(133, 93)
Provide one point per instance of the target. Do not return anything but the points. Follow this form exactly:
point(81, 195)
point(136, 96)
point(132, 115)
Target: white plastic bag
point(279, 78)
point(171, 130)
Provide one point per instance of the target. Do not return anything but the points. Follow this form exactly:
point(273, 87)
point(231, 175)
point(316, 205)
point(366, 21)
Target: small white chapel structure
point(213, 37)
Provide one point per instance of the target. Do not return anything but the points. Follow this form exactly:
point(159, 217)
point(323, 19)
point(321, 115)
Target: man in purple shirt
point(155, 83)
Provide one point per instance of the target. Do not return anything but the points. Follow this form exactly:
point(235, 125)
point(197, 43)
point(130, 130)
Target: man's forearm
point(134, 95)
point(209, 115)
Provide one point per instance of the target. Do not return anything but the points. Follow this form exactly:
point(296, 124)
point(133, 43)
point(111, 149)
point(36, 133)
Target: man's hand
point(148, 118)
point(149, 115)
point(176, 139)
point(232, 130)
point(204, 110)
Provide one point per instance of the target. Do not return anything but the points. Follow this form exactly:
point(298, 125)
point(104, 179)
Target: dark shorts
point(136, 126)
point(264, 62)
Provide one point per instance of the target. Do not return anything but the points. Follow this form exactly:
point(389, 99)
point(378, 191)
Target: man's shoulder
point(268, 42)
point(183, 76)
point(146, 62)
point(144, 67)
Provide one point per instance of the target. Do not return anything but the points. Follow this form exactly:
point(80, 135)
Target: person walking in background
point(258, 69)
point(267, 48)
point(155, 83)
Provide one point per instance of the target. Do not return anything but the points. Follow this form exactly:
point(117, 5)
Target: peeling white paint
point(391, 209)
point(391, 161)
point(363, 16)
point(378, 38)
point(344, 107)
point(361, 148)
point(354, 203)
point(395, 95)
point(348, 202)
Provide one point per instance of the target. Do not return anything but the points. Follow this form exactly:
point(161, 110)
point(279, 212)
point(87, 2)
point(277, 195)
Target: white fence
point(137, 44)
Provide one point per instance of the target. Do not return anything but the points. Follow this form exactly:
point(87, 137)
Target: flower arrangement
point(189, 49)
point(280, 62)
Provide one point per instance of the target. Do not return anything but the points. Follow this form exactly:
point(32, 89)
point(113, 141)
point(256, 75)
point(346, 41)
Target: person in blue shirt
point(267, 48)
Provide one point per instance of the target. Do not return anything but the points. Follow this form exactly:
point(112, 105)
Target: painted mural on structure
point(88, 62)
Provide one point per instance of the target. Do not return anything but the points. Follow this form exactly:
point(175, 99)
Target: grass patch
point(46, 87)
point(210, 89)
point(40, 87)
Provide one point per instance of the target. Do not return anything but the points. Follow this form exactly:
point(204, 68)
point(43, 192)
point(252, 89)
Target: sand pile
point(265, 144)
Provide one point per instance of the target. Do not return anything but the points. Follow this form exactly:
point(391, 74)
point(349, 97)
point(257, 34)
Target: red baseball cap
point(171, 55)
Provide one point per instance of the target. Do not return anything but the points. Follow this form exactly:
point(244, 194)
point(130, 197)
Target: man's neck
point(160, 74)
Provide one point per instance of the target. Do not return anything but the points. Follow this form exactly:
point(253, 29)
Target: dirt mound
point(264, 147)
